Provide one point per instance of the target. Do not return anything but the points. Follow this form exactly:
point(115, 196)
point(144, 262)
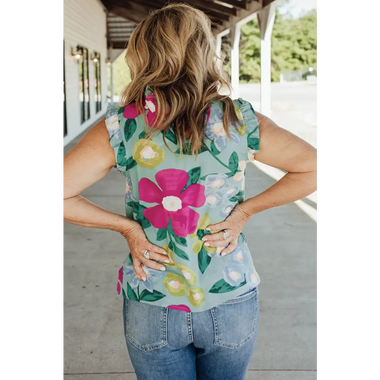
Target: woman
point(190, 292)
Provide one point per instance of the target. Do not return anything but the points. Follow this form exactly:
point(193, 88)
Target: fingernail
point(144, 279)
point(167, 261)
point(204, 238)
point(162, 268)
point(224, 253)
point(208, 228)
point(207, 244)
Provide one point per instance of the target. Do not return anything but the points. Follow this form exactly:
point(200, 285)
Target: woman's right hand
point(138, 243)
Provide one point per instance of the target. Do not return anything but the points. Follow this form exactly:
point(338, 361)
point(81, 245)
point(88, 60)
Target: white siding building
point(85, 26)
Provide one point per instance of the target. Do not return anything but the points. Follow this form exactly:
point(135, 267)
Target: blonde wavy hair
point(173, 53)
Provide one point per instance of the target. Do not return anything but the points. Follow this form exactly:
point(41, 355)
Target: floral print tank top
point(174, 199)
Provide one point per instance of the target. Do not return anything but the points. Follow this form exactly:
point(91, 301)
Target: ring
point(146, 254)
point(225, 234)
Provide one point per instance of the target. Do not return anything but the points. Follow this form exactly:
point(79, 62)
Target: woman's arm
point(283, 150)
point(89, 161)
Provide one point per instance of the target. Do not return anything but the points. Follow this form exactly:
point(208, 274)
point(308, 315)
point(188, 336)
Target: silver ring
point(146, 254)
point(225, 234)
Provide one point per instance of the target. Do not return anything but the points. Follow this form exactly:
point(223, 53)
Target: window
point(84, 89)
point(64, 94)
point(98, 83)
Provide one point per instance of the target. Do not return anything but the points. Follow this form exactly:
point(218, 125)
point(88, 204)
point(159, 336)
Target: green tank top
point(174, 199)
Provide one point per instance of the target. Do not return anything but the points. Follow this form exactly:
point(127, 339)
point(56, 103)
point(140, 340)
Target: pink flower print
point(150, 104)
point(120, 280)
point(179, 307)
point(130, 111)
point(172, 201)
point(208, 113)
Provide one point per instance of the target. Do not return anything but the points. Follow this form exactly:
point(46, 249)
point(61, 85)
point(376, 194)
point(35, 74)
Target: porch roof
point(123, 15)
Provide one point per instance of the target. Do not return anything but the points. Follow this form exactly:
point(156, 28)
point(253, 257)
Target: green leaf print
point(222, 286)
point(138, 210)
point(131, 293)
point(142, 134)
point(233, 163)
point(249, 134)
point(123, 292)
point(144, 222)
point(130, 163)
point(180, 240)
point(135, 206)
point(180, 253)
point(147, 296)
point(129, 128)
point(253, 143)
point(214, 149)
point(161, 234)
point(121, 159)
point(170, 135)
point(201, 232)
point(121, 110)
point(170, 228)
point(234, 199)
point(203, 260)
point(194, 175)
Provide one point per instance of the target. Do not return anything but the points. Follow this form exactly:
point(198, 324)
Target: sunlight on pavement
point(277, 174)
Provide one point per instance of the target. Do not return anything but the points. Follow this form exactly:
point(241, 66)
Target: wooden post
point(266, 21)
point(235, 39)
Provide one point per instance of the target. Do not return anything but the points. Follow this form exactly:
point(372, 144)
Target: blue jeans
point(215, 344)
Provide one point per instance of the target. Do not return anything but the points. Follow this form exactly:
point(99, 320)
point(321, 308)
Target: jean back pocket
point(145, 326)
point(236, 321)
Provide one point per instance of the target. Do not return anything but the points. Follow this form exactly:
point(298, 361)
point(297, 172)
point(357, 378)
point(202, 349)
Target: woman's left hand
point(233, 226)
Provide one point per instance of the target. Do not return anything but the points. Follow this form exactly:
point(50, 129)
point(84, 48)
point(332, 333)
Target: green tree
point(294, 46)
point(121, 74)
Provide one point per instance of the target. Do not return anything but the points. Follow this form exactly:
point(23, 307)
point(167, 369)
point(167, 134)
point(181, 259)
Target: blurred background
point(271, 59)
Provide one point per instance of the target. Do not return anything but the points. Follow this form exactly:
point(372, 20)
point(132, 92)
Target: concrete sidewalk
point(283, 243)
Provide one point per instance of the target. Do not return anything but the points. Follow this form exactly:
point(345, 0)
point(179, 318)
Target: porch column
point(235, 39)
point(266, 19)
point(111, 72)
point(218, 44)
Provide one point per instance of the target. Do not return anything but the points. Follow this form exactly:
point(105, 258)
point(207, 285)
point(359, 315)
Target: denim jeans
point(215, 344)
